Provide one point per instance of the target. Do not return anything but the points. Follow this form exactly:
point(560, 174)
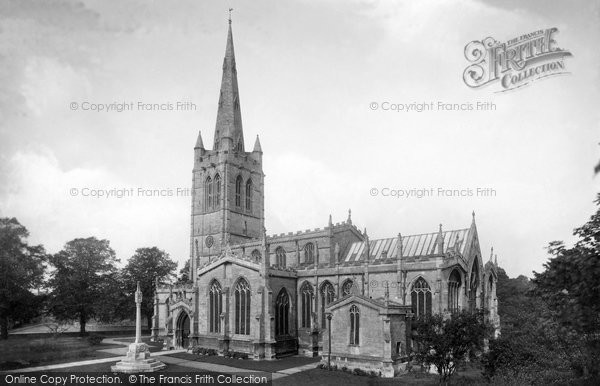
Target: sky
point(314, 78)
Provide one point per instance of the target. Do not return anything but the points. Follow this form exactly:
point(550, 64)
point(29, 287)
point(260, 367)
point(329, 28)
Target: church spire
point(257, 147)
point(228, 130)
point(199, 143)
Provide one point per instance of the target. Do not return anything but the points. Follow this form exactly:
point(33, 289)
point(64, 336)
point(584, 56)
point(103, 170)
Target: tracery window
point(327, 296)
point(306, 295)
point(249, 195)
point(280, 257)
point(215, 307)
point(454, 283)
point(421, 298)
point(282, 311)
point(309, 253)
point(256, 256)
point(238, 191)
point(208, 195)
point(354, 325)
point(217, 192)
point(242, 307)
point(473, 286)
point(347, 287)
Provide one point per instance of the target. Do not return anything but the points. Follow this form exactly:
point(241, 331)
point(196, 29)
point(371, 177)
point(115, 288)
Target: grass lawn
point(22, 351)
point(105, 368)
point(249, 364)
point(324, 377)
point(153, 346)
point(470, 376)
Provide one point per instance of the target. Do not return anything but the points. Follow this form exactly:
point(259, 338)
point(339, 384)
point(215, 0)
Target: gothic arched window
point(347, 287)
point(280, 257)
point(354, 325)
point(256, 256)
point(249, 195)
point(217, 192)
point(327, 296)
point(454, 283)
point(208, 193)
point(238, 192)
point(306, 293)
point(490, 289)
point(473, 285)
point(309, 253)
point(242, 307)
point(282, 311)
point(215, 307)
point(421, 298)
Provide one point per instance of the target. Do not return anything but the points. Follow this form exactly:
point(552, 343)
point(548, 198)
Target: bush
point(197, 350)
point(240, 355)
point(358, 371)
point(94, 339)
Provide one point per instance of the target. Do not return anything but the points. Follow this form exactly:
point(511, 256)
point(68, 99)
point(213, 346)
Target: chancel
point(269, 295)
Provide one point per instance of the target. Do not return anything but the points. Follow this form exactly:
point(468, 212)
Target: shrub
point(321, 366)
point(345, 369)
point(94, 339)
point(240, 355)
point(358, 371)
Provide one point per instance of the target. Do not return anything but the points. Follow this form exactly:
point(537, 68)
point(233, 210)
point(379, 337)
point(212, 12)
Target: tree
point(147, 266)
point(184, 273)
point(84, 281)
point(447, 342)
point(528, 350)
point(21, 271)
point(570, 286)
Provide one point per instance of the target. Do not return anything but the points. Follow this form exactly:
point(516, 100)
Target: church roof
point(412, 246)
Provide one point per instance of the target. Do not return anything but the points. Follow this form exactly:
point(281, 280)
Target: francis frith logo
point(515, 63)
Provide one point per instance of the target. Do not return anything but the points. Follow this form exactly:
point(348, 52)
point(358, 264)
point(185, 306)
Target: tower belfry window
point(238, 191)
point(208, 193)
point(217, 192)
point(249, 195)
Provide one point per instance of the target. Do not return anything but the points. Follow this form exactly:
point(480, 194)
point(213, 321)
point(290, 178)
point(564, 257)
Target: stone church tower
point(228, 187)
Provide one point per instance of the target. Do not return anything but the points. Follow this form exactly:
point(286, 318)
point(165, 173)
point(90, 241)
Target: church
point(268, 296)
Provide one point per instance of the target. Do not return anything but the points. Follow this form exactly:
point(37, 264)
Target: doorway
point(182, 334)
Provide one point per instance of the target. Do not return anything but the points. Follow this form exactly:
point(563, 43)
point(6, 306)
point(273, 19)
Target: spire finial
point(199, 142)
point(492, 254)
point(473, 214)
point(257, 146)
point(230, 9)
point(349, 216)
point(440, 228)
